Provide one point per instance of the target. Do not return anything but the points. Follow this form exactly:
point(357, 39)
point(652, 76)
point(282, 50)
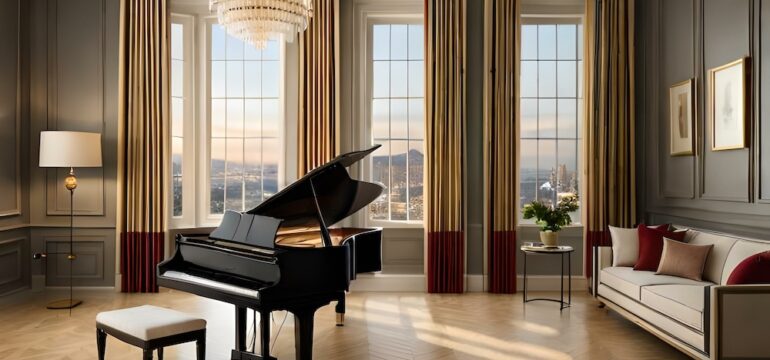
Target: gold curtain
point(445, 144)
point(318, 127)
point(501, 137)
point(143, 116)
point(610, 166)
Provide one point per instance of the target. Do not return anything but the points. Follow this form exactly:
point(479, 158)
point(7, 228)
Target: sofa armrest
point(740, 317)
point(604, 258)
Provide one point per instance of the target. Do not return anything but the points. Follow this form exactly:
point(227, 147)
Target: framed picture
point(729, 105)
point(681, 117)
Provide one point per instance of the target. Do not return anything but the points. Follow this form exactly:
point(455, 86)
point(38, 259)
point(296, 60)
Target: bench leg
point(200, 348)
point(101, 342)
point(147, 354)
point(160, 353)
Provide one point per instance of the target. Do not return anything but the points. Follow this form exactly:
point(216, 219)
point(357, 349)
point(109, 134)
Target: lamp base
point(63, 304)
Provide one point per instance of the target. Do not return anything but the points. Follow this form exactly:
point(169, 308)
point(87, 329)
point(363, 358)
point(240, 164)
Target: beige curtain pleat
point(501, 139)
point(445, 144)
point(610, 149)
point(318, 126)
point(143, 116)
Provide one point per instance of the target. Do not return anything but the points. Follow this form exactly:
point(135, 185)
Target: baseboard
point(550, 283)
point(475, 283)
point(389, 283)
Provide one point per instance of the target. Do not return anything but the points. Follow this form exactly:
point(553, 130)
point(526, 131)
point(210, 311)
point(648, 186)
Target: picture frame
point(682, 118)
point(729, 105)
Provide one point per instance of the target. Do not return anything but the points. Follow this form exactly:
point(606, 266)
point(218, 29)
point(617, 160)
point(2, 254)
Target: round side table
point(562, 251)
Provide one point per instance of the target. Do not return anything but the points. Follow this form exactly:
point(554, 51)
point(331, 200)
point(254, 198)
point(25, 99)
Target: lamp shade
point(70, 149)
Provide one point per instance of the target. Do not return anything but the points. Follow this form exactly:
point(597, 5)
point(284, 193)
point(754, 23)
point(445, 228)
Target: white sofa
point(705, 319)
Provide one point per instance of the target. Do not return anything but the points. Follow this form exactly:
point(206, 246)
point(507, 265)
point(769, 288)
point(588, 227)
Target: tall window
point(551, 103)
point(396, 103)
point(177, 116)
point(246, 122)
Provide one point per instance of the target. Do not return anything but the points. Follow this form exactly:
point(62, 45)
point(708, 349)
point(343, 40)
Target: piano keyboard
point(237, 290)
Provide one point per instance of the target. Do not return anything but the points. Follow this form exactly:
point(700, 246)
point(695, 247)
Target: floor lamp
point(69, 149)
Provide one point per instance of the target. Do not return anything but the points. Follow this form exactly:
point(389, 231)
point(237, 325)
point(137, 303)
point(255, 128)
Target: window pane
point(528, 42)
point(218, 116)
point(271, 118)
point(567, 118)
point(399, 186)
point(528, 76)
point(380, 118)
point(177, 149)
point(177, 78)
point(252, 78)
point(234, 157)
point(580, 112)
point(234, 117)
point(378, 209)
point(271, 157)
point(177, 117)
point(381, 42)
point(546, 161)
point(253, 169)
point(234, 193)
point(177, 41)
point(566, 42)
point(416, 78)
point(234, 48)
point(217, 158)
point(528, 159)
point(272, 51)
point(546, 41)
point(217, 42)
point(567, 78)
point(398, 42)
point(218, 78)
point(398, 78)
point(547, 118)
point(177, 188)
point(271, 81)
point(528, 118)
point(567, 165)
point(234, 79)
point(580, 79)
point(416, 119)
point(547, 78)
point(217, 196)
point(253, 118)
point(399, 125)
point(381, 79)
point(416, 42)
point(580, 42)
point(415, 171)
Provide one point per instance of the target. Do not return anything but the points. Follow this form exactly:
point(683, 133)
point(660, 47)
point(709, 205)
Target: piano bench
point(150, 328)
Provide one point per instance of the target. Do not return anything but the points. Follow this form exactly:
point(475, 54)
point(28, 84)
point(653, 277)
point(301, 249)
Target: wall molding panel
point(11, 98)
point(719, 190)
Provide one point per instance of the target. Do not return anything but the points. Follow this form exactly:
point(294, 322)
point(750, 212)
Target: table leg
point(525, 276)
point(569, 265)
point(561, 284)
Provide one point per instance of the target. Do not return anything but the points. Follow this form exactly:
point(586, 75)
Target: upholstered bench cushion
point(149, 322)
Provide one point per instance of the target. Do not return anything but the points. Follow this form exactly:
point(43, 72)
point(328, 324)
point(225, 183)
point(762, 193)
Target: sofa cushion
point(625, 244)
point(629, 282)
point(715, 262)
point(651, 246)
point(684, 303)
point(739, 252)
point(755, 269)
point(683, 260)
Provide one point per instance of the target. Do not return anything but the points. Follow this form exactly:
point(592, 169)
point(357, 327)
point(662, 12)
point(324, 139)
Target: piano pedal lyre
point(340, 319)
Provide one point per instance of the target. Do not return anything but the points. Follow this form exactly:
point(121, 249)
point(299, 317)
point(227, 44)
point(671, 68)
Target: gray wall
point(67, 80)
point(681, 39)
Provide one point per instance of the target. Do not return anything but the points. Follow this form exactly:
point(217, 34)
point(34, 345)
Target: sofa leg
point(601, 305)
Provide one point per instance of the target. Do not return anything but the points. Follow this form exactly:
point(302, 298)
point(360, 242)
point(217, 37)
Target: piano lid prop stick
point(324, 231)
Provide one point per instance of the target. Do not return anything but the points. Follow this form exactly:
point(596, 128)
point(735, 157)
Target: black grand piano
point(282, 255)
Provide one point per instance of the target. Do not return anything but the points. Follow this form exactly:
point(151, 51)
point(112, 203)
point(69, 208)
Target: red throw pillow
point(755, 269)
point(651, 246)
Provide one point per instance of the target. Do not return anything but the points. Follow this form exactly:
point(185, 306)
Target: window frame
point(557, 19)
point(204, 163)
point(398, 16)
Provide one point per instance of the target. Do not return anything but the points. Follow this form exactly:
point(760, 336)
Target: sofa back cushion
point(739, 252)
point(715, 262)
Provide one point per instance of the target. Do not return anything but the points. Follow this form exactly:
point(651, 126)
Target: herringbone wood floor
point(378, 326)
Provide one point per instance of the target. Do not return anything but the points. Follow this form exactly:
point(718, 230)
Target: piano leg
point(340, 309)
point(303, 333)
point(240, 328)
point(264, 332)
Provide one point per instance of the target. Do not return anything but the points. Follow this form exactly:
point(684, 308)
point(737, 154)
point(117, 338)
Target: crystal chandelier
point(257, 21)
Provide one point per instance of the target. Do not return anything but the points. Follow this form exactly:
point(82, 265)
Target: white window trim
point(196, 159)
point(368, 13)
point(548, 17)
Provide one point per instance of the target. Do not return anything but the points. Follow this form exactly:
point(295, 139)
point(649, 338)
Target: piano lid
point(338, 195)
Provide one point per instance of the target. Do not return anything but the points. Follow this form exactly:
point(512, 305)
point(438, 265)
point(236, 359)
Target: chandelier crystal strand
point(257, 21)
